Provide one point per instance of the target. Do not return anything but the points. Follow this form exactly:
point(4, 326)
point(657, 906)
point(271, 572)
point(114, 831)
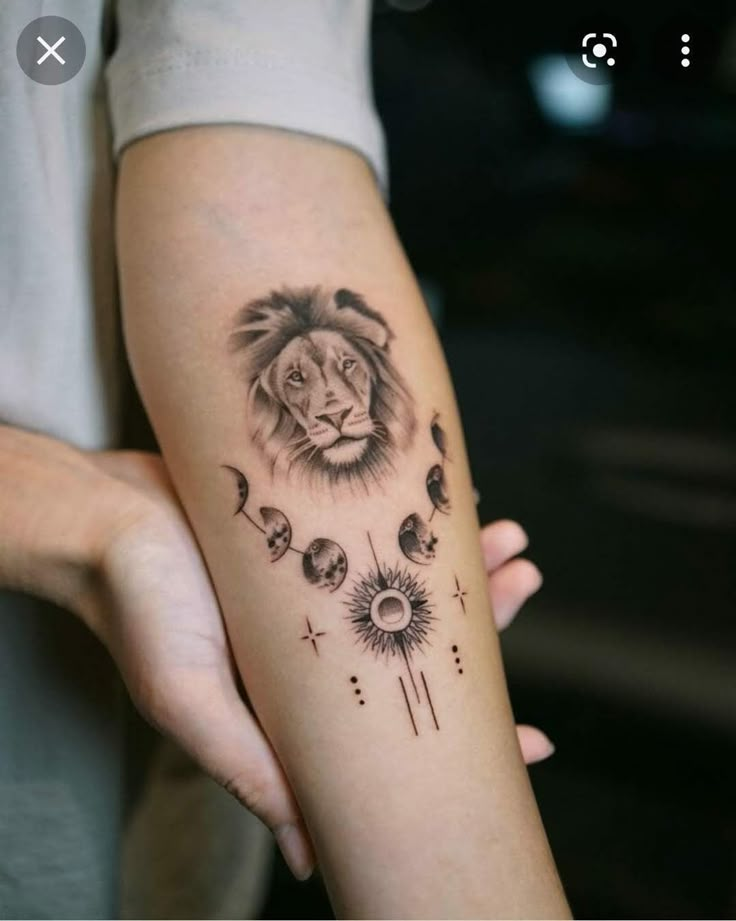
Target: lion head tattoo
point(324, 399)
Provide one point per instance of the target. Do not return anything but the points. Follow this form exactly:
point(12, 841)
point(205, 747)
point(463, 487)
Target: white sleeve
point(302, 65)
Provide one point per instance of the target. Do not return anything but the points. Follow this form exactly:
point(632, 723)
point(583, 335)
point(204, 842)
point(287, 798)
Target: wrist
point(56, 509)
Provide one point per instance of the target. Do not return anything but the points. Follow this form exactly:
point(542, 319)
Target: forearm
point(417, 799)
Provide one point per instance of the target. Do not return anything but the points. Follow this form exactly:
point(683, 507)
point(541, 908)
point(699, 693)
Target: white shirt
point(294, 64)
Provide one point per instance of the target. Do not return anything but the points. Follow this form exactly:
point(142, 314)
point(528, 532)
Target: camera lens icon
point(597, 48)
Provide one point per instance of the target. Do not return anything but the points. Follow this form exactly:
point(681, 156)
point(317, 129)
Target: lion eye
point(295, 377)
point(348, 364)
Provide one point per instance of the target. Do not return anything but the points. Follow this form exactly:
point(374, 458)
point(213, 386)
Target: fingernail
point(295, 849)
point(522, 531)
point(547, 751)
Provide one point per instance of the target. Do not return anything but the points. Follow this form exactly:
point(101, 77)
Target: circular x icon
point(51, 49)
point(39, 50)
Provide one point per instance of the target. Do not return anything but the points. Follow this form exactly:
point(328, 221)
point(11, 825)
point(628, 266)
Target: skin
point(100, 533)
point(438, 825)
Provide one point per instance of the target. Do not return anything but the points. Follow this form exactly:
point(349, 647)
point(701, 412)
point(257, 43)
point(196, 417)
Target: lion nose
point(335, 419)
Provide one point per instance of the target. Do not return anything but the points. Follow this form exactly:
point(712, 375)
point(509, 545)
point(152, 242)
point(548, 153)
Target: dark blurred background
point(575, 244)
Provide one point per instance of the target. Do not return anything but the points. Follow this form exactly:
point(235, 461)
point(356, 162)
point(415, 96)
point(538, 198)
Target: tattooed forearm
point(294, 346)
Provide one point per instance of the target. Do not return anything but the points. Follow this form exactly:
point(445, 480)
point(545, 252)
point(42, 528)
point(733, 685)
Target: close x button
point(51, 50)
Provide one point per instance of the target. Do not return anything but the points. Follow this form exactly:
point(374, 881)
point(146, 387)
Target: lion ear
point(363, 321)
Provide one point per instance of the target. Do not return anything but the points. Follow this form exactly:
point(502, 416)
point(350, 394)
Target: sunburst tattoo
point(390, 612)
point(391, 615)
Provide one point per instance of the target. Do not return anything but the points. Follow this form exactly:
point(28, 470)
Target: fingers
point(510, 583)
point(500, 541)
point(535, 746)
point(215, 727)
point(510, 586)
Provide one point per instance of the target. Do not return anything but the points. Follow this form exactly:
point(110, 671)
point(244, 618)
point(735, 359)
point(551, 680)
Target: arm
point(100, 533)
point(407, 819)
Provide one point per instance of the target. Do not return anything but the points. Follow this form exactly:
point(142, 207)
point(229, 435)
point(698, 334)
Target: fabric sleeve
point(300, 65)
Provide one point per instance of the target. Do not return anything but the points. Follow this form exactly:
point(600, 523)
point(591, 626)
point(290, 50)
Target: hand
point(156, 611)
point(158, 614)
point(511, 581)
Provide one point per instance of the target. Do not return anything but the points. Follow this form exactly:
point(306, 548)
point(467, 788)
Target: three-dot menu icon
point(685, 50)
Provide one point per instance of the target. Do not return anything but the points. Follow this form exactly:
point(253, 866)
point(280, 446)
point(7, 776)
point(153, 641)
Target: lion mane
point(297, 319)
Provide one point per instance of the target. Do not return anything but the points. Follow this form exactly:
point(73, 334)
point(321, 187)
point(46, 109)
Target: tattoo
point(324, 399)
point(438, 436)
point(324, 562)
point(429, 701)
point(278, 532)
point(460, 594)
point(436, 484)
point(242, 484)
point(408, 705)
point(327, 406)
point(312, 636)
point(358, 692)
point(437, 490)
point(417, 542)
point(391, 614)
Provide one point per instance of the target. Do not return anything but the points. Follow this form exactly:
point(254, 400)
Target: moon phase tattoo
point(436, 485)
point(324, 400)
point(438, 435)
point(278, 532)
point(324, 562)
point(417, 541)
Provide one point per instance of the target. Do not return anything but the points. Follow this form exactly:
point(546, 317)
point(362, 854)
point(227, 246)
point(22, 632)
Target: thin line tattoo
point(429, 701)
point(408, 706)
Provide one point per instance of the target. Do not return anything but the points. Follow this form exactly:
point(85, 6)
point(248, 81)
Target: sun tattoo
point(324, 400)
point(390, 612)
